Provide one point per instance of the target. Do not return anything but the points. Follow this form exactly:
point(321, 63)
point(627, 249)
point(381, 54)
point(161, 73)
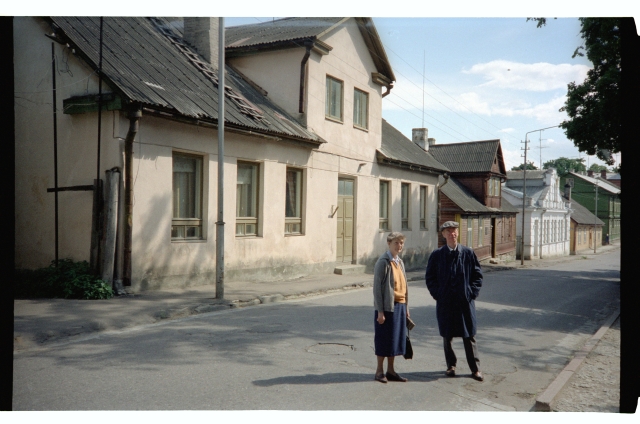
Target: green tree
point(564, 165)
point(593, 107)
point(530, 166)
point(597, 168)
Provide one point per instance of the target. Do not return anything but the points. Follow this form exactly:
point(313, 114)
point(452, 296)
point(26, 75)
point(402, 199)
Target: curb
point(543, 402)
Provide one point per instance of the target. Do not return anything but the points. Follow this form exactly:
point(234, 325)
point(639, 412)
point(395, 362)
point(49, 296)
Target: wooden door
point(345, 227)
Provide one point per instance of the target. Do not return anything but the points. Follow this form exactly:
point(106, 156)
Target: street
point(317, 353)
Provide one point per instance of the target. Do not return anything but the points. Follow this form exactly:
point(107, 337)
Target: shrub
point(68, 280)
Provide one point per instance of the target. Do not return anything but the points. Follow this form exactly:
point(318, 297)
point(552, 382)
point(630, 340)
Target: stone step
point(349, 269)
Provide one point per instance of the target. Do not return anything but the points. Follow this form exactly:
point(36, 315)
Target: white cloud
point(528, 77)
point(507, 130)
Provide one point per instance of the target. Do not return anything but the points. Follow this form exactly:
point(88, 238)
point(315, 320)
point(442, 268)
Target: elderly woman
point(390, 298)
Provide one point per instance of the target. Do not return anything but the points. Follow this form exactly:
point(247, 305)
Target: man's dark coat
point(454, 282)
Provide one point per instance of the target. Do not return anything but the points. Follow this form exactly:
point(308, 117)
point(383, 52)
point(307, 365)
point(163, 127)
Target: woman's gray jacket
point(383, 283)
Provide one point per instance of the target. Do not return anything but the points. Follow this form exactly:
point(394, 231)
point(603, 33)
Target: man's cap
point(449, 224)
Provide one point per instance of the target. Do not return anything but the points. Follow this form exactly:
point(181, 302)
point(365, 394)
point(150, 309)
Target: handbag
point(410, 324)
point(408, 352)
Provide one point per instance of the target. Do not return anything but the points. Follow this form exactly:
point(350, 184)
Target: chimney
point(432, 141)
point(590, 173)
point(420, 137)
point(567, 191)
point(202, 33)
point(603, 174)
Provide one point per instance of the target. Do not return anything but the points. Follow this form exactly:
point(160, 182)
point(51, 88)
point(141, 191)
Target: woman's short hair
point(395, 235)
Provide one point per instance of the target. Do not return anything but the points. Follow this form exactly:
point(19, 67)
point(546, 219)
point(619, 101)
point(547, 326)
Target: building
point(546, 214)
point(594, 192)
point(471, 196)
point(586, 228)
point(304, 155)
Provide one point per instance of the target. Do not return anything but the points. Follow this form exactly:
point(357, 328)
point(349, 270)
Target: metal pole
point(220, 222)
point(524, 198)
point(595, 220)
point(55, 146)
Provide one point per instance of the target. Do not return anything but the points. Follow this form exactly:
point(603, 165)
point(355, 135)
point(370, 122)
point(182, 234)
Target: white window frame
point(405, 206)
point(424, 196)
point(249, 218)
point(188, 227)
point(293, 221)
point(360, 109)
point(330, 99)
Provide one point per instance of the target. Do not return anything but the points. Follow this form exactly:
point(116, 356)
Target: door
point(344, 247)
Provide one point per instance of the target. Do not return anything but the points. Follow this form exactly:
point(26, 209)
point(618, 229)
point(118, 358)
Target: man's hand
point(380, 317)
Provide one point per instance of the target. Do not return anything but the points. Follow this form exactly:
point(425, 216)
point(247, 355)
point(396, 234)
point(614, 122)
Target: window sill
point(332, 119)
point(188, 240)
point(361, 128)
point(294, 235)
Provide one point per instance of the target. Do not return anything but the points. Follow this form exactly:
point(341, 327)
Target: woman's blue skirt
point(390, 338)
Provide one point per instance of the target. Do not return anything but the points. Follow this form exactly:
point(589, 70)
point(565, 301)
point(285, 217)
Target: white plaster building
point(546, 217)
point(305, 161)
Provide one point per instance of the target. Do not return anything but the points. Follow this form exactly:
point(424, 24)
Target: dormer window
point(333, 104)
point(494, 186)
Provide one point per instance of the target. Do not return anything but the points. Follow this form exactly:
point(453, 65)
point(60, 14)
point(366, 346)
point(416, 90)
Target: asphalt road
point(317, 353)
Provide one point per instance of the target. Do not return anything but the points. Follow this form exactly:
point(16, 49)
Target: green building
point(583, 191)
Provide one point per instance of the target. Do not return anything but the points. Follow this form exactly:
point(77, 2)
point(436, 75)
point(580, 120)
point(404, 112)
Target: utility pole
point(595, 220)
point(220, 222)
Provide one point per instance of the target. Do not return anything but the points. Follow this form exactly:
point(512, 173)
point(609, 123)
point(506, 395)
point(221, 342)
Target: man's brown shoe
point(451, 372)
point(477, 376)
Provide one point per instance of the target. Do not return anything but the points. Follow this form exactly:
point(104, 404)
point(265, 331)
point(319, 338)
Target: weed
point(69, 280)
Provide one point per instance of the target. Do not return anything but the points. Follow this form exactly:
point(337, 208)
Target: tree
point(597, 168)
point(530, 167)
point(564, 165)
point(593, 107)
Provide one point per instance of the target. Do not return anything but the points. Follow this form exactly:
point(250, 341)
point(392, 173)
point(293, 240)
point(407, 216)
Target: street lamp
point(524, 188)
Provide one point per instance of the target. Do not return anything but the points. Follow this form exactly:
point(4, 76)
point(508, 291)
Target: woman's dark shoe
point(477, 376)
point(450, 372)
point(396, 377)
point(381, 378)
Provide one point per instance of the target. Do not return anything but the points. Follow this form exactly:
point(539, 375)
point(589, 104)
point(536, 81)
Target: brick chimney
point(567, 191)
point(202, 33)
point(421, 137)
point(603, 174)
point(590, 173)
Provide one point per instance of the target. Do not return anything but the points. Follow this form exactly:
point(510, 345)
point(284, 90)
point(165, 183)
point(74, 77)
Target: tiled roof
point(296, 30)
point(534, 174)
point(142, 64)
point(473, 156)
point(581, 215)
point(462, 197)
point(398, 149)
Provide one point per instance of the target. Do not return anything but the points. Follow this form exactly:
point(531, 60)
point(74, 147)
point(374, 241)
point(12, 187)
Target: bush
point(69, 280)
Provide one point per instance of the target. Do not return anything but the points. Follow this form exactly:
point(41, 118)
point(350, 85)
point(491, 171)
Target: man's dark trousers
point(470, 349)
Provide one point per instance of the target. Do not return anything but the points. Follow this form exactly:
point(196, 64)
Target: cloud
point(507, 130)
point(528, 77)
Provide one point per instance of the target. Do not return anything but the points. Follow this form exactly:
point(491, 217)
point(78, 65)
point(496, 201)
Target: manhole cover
point(331, 349)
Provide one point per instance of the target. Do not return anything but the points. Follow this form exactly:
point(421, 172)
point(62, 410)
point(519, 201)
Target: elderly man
point(454, 279)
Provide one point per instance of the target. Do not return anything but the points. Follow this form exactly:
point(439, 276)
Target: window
point(384, 205)
point(293, 205)
point(404, 205)
point(247, 199)
point(423, 207)
point(187, 197)
point(494, 186)
point(360, 109)
point(333, 104)
point(480, 231)
point(470, 232)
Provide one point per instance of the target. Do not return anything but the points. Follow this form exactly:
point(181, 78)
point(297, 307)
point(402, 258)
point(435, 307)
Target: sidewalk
point(38, 322)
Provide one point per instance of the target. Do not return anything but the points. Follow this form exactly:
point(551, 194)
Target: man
point(454, 279)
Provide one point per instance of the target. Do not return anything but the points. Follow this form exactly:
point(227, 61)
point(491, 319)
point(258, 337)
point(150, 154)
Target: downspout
point(134, 116)
point(542, 229)
point(446, 180)
point(388, 87)
point(308, 44)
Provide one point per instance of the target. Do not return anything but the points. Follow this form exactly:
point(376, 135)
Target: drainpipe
point(542, 229)
point(446, 180)
point(308, 44)
point(134, 116)
point(388, 87)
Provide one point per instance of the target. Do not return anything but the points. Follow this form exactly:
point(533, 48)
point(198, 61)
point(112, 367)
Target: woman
point(390, 297)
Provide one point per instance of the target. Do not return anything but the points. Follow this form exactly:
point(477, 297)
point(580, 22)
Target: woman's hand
point(380, 317)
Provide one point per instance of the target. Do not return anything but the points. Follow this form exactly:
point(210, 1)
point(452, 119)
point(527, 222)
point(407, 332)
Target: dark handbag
point(408, 352)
